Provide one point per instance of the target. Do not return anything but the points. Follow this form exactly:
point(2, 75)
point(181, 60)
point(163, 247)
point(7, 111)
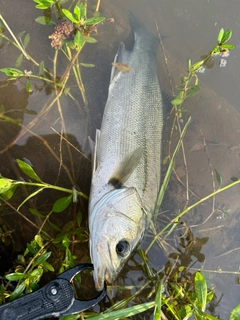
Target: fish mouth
point(100, 275)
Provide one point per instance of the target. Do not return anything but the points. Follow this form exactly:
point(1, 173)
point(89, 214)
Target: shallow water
point(189, 30)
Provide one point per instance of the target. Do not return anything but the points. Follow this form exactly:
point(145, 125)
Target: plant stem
point(189, 208)
point(15, 39)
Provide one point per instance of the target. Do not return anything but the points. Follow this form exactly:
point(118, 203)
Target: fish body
point(126, 158)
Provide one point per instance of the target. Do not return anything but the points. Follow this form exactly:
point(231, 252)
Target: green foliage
point(189, 85)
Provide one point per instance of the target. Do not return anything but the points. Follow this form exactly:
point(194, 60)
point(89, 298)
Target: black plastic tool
point(53, 300)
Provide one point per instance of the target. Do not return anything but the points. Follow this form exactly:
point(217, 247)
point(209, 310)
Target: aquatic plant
point(172, 293)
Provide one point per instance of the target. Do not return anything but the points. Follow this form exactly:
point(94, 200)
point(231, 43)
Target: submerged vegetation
point(173, 292)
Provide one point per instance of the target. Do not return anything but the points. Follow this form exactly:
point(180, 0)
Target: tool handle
point(52, 300)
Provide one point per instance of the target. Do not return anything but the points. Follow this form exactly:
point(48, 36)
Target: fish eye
point(122, 248)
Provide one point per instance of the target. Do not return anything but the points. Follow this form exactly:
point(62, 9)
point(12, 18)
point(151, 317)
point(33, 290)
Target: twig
point(15, 39)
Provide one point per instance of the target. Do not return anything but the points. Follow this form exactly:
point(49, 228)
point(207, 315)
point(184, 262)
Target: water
point(189, 30)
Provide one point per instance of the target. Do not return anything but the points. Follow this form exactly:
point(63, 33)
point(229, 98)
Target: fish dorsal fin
point(94, 149)
point(121, 56)
point(125, 168)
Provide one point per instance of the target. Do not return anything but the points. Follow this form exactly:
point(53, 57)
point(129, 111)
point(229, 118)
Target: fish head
point(116, 227)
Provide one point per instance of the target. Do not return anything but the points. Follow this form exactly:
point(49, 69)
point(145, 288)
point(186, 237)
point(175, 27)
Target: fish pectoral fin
point(94, 149)
point(125, 168)
point(121, 57)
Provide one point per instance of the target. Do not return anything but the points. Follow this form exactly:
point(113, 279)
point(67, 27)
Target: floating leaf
point(19, 60)
point(92, 21)
point(28, 85)
point(69, 15)
point(201, 290)
point(219, 178)
point(41, 68)
point(227, 35)
point(77, 12)
point(89, 39)
point(44, 20)
point(176, 102)
point(220, 36)
point(12, 72)
point(28, 170)
point(44, 4)
point(78, 40)
point(227, 46)
point(26, 40)
point(61, 204)
point(192, 91)
point(196, 66)
point(87, 65)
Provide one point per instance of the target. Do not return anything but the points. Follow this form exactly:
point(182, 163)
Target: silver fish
point(126, 158)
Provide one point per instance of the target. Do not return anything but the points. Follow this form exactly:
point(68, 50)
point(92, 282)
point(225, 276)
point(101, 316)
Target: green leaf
point(16, 276)
point(38, 240)
point(235, 314)
point(123, 313)
point(196, 66)
point(48, 266)
point(8, 194)
point(19, 60)
point(220, 36)
point(17, 292)
point(77, 12)
point(5, 185)
point(42, 258)
point(158, 304)
point(192, 91)
point(28, 170)
point(92, 21)
point(26, 40)
point(165, 160)
point(41, 68)
point(89, 39)
point(43, 4)
point(78, 40)
point(66, 242)
point(227, 46)
point(219, 178)
point(79, 219)
point(33, 194)
point(227, 35)
point(61, 204)
point(28, 85)
point(36, 213)
point(201, 290)
point(69, 15)
point(12, 72)
point(44, 20)
point(87, 65)
point(36, 273)
point(176, 102)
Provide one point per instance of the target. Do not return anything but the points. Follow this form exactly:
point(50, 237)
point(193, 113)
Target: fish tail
point(144, 38)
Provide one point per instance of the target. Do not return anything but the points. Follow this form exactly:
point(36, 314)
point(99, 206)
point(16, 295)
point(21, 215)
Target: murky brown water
point(189, 29)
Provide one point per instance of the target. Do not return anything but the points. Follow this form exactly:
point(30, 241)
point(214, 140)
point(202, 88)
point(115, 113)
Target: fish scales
point(128, 153)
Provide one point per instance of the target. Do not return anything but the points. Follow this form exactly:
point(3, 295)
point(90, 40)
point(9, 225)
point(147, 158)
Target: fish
point(126, 158)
